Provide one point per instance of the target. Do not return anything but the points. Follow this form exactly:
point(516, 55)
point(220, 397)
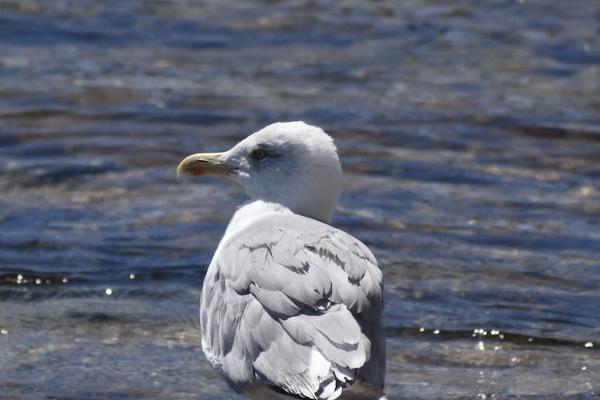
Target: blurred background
point(469, 132)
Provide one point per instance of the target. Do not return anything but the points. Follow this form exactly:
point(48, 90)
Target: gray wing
point(296, 304)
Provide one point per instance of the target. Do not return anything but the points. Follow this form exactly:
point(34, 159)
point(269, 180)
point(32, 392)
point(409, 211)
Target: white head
point(290, 163)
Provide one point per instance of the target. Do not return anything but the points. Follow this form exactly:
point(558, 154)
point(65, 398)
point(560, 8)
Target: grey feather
point(283, 287)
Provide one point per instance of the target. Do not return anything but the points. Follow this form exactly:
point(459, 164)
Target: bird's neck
point(250, 212)
point(317, 200)
point(253, 210)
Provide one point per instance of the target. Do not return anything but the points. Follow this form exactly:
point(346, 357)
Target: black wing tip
point(353, 391)
point(362, 391)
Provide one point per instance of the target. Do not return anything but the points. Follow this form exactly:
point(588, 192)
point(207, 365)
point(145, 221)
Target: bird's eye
point(258, 154)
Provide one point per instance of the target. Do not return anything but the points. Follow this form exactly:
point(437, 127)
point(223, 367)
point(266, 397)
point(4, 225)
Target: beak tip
point(179, 172)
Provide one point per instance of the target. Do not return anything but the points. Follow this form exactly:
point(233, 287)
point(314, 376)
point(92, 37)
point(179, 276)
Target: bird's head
point(290, 163)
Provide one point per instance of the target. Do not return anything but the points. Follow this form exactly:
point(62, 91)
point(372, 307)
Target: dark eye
point(258, 154)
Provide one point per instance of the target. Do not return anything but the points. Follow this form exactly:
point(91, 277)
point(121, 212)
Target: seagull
point(290, 306)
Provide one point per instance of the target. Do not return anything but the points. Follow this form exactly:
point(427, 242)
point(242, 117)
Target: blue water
point(470, 136)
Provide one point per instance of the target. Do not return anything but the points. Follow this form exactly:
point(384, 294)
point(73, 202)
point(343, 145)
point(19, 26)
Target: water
point(470, 136)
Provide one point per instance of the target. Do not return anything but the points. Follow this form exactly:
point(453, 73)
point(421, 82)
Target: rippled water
point(469, 131)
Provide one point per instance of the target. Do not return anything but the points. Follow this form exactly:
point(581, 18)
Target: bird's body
point(291, 306)
point(288, 301)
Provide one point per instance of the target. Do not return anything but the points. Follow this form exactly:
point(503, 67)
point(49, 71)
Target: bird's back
point(292, 305)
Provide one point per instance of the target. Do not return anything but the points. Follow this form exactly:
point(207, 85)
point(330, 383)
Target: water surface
point(470, 137)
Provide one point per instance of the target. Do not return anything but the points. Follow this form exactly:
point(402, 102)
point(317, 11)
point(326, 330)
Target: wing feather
point(294, 303)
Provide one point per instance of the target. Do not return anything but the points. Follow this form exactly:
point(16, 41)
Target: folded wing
point(294, 304)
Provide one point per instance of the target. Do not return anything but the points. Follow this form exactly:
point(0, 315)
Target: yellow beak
point(203, 164)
